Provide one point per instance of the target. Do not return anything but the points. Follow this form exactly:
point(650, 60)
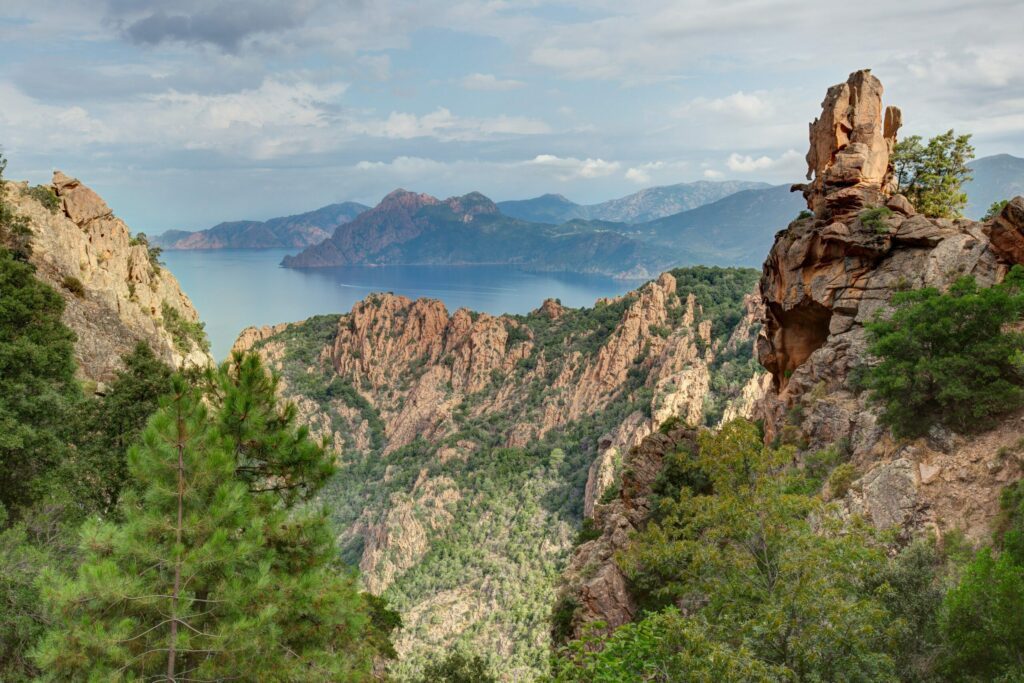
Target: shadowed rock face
point(848, 161)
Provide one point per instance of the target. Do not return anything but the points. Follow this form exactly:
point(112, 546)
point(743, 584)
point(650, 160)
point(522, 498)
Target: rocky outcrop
point(124, 295)
point(848, 161)
point(449, 389)
point(594, 586)
point(439, 359)
point(828, 275)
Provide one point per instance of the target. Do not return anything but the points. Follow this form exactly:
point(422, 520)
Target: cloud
point(739, 105)
point(712, 174)
point(224, 24)
point(571, 167)
point(443, 125)
point(638, 175)
point(489, 82)
point(744, 163)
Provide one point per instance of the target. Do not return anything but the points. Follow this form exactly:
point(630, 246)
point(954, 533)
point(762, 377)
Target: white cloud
point(571, 167)
point(489, 82)
point(443, 125)
point(712, 174)
point(739, 105)
point(642, 174)
point(744, 163)
point(638, 175)
point(404, 166)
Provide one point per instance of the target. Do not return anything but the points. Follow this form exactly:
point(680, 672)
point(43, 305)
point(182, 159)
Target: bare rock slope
point(124, 297)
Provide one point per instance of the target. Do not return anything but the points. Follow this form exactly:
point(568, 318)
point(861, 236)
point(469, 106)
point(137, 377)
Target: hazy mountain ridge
point(410, 228)
point(996, 178)
point(296, 231)
point(646, 205)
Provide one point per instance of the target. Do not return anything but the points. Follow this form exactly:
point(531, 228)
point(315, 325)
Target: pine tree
point(212, 574)
point(37, 385)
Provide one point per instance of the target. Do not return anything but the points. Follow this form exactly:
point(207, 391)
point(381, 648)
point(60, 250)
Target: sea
point(235, 288)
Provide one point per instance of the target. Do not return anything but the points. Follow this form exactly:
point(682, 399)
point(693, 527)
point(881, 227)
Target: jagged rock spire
point(850, 145)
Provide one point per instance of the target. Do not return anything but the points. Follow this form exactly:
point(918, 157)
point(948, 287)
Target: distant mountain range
point(287, 232)
point(639, 207)
point(409, 228)
point(715, 223)
point(996, 178)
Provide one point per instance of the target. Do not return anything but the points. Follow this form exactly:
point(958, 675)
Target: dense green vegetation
point(932, 175)
point(502, 504)
point(747, 575)
point(91, 547)
point(15, 232)
point(211, 570)
point(185, 333)
point(950, 358)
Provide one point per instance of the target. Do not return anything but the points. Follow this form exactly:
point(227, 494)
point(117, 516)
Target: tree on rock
point(208, 576)
point(932, 176)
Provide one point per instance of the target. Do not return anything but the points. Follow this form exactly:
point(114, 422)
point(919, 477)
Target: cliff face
point(828, 275)
point(124, 297)
point(428, 406)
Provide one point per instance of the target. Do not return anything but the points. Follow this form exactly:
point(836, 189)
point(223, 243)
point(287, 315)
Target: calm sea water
point(235, 288)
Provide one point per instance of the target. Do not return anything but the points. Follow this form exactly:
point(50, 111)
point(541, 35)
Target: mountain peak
point(472, 204)
point(400, 198)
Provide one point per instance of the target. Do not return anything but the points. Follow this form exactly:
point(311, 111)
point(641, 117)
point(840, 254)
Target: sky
point(184, 113)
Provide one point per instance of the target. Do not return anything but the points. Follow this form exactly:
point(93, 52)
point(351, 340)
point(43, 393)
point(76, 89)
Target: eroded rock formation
point(828, 275)
point(123, 291)
point(848, 161)
point(448, 387)
point(595, 588)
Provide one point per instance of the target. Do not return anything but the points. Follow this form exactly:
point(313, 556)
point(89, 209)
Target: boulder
point(80, 203)
point(1007, 232)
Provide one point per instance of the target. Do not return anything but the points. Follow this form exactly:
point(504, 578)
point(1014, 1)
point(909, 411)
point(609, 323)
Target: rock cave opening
point(800, 331)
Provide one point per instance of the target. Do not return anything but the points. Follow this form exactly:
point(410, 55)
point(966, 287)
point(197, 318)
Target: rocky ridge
point(446, 389)
point(829, 274)
point(123, 295)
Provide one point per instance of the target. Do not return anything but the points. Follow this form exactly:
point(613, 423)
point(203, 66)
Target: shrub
point(184, 332)
point(948, 358)
point(805, 214)
point(874, 219)
point(74, 285)
point(588, 531)
point(995, 209)
point(45, 195)
point(15, 233)
point(154, 252)
point(841, 478)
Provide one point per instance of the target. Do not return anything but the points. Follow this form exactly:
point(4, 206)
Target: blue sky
point(183, 113)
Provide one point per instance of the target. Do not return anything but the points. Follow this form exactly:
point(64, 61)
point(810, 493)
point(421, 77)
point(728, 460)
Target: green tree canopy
point(206, 575)
point(15, 233)
point(758, 576)
point(948, 358)
point(932, 175)
point(37, 383)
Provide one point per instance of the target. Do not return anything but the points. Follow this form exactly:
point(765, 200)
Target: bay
point(235, 288)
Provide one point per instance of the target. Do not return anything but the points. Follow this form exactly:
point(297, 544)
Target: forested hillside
point(473, 445)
